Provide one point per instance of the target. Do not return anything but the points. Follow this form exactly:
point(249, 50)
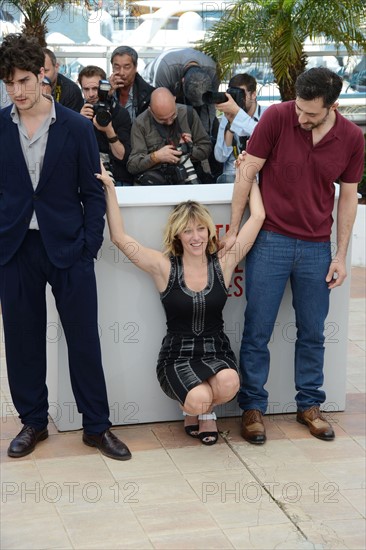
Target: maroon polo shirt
point(297, 178)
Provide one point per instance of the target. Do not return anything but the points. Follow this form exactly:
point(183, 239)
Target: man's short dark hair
point(244, 79)
point(319, 82)
point(51, 55)
point(20, 52)
point(126, 50)
point(92, 70)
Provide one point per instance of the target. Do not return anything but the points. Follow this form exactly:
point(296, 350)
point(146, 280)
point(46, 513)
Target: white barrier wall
point(132, 323)
point(358, 257)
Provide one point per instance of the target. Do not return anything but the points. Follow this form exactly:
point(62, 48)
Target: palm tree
point(276, 30)
point(35, 14)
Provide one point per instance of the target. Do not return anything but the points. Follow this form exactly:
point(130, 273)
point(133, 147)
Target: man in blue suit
point(51, 228)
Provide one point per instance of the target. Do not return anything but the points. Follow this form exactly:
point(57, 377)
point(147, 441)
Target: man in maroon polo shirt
point(299, 149)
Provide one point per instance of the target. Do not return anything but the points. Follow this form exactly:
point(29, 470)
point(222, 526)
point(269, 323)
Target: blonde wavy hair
point(179, 219)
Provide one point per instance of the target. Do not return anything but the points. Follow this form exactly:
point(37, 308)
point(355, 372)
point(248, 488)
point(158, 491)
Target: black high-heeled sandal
point(208, 438)
point(192, 429)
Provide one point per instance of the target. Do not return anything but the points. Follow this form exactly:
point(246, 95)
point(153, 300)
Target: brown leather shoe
point(108, 444)
point(252, 427)
point(316, 422)
point(26, 441)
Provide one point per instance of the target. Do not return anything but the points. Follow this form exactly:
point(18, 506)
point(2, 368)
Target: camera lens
point(214, 97)
point(103, 117)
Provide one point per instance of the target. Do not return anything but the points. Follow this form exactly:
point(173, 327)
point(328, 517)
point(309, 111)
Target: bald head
point(162, 106)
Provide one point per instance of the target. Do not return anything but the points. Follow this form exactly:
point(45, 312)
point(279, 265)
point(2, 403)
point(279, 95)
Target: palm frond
point(277, 30)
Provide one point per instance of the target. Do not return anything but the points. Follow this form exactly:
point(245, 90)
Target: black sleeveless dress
point(195, 347)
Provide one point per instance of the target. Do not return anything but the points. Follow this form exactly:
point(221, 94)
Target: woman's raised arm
point(149, 260)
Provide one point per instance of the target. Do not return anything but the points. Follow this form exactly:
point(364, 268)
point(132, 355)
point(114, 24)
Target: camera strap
point(240, 142)
point(170, 134)
point(256, 119)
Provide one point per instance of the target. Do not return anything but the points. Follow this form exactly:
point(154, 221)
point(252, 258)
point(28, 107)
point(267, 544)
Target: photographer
point(166, 139)
point(64, 90)
point(241, 113)
point(128, 87)
point(112, 123)
point(189, 73)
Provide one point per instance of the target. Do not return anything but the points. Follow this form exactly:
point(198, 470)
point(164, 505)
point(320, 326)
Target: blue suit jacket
point(69, 201)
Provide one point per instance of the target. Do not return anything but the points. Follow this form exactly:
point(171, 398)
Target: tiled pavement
point(295, 492)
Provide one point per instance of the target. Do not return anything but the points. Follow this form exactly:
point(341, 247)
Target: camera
point(237, 94)
point(185, 171)
point(214, 97)
point(186, 147)
point(103, 109)
point(176, 175)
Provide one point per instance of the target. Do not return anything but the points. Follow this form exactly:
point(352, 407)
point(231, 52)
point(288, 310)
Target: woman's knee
point(227, 383)
point(199, 399)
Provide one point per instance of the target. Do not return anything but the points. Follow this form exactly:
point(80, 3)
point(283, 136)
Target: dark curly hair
point(319, 82)
point(20, 52)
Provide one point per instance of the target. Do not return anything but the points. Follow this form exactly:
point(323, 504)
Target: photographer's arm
point(229, 108)
point(115, 145)
point(223, 149)
point(122, 126)
point(139, 159)
point(243, 124)
point(229, 136)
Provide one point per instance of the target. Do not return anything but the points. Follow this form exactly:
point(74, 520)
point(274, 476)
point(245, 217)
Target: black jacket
point(121, 123)
point(68, 93)
point(141, 94)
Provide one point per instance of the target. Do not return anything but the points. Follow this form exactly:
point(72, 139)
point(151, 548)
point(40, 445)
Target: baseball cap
point(196, 83)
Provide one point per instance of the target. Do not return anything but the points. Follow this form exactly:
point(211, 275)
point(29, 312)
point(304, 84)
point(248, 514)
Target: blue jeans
point(272, 261)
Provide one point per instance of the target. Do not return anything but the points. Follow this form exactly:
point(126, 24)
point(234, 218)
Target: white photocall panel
point(132, 322)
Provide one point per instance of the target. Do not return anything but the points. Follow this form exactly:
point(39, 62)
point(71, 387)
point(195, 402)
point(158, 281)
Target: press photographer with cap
point(112, 123)
point(166, 139)
point(241, 113)
point(188, 74)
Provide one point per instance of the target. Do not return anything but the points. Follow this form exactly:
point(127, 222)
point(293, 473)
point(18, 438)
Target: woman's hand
point(240, 159)
point(105, 178)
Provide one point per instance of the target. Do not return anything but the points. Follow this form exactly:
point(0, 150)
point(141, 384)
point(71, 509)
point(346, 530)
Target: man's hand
point(226, 243)
point(337, 272)
point(87, 111)
point(230, 108)
point(168, 154)
point(108, 130)
point(116, 82)
point(186, 137)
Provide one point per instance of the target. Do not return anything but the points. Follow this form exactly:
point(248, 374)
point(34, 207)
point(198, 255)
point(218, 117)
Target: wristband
point(154, 159)
point(113, 139)
point(228, 128)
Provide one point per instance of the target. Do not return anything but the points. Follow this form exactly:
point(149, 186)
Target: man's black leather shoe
point(26, 441)
point(108, 444)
